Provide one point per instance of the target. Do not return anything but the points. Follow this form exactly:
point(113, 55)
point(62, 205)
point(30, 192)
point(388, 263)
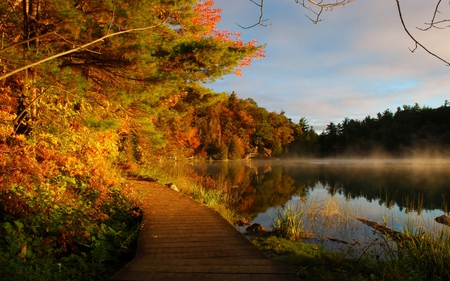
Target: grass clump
point(420, 256)
point(288, 222)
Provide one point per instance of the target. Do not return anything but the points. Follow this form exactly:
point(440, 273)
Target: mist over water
point(390, 182)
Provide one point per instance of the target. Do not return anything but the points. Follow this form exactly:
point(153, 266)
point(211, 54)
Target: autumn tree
point(85, 86)
point(118, 61)
point(233, 128)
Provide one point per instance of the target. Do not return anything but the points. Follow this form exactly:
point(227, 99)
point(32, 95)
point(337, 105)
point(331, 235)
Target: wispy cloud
point(353, 64)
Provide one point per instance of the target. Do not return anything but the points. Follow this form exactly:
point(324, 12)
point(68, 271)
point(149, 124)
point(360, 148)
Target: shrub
point(64, 212)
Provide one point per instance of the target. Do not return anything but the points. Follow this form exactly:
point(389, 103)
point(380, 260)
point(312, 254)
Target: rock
point(255, 228)
point(172, 186)
point(444, 219)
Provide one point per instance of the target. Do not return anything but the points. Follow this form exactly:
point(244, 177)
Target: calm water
point(402, 194)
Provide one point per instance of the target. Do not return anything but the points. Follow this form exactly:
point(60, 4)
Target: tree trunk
point(397, 236)
point(31, 17)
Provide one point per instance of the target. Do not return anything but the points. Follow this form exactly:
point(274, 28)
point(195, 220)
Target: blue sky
point(354, 63)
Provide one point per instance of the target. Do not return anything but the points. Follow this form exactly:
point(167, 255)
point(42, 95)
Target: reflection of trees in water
point(407, 186)
point(257, 186)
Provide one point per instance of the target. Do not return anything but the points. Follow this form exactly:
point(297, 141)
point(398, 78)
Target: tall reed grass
point(419, 256)
point(288, 223)
point(422, 254)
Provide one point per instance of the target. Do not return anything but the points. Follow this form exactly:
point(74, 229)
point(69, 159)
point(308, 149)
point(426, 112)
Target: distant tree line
point(410, 131)
point(227, 127)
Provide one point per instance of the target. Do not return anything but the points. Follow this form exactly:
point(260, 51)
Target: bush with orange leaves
point(63, 202)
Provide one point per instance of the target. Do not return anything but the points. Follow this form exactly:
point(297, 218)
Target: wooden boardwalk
point(184, 240)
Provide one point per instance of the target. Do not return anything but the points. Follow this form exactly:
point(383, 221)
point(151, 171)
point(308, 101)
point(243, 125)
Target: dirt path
point(184, 240)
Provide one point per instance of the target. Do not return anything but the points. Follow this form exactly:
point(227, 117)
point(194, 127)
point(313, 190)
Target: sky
point(355, 63)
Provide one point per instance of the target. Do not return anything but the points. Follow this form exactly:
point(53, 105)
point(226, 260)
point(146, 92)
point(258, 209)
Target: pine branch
point(26, 41)
point(80, 48)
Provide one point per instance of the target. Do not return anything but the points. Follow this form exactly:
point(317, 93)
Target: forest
point(231, 128)
point(89, 88)
point(412, 131)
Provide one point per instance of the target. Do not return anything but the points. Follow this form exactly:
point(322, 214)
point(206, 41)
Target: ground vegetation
point(88, 90)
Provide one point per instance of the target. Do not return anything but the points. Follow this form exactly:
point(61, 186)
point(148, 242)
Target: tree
point(117, 61)
point(87, 88)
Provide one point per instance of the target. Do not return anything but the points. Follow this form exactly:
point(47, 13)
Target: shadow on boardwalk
point(184, 240)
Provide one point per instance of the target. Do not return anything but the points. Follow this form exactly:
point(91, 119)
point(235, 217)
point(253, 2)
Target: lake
point(333, 193)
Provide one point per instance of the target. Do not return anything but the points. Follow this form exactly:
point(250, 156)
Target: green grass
point(419, 258)
point(312, 262)
point(288, 222)
point(422, 256)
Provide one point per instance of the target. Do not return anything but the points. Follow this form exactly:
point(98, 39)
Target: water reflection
point(255, 186)
point(260, 185)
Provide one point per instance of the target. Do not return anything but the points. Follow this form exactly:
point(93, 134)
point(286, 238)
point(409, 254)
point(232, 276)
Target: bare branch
point(416, 42)
point(433, 22)
point(321, 7)
point(326, 5)
point(80, 48)
point(317, 19)
point(73, 44)
point(317, 7)
point(261, 15)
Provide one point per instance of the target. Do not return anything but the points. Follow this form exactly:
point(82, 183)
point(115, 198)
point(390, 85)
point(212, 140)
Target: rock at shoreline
point(444, 219)
point(255, 228)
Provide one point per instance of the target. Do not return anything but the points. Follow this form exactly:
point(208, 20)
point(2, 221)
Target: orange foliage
point(193, 140)
point(7, 111)
point(45, 179)
point(173, 99)
point(210, 183)
point(209, 17)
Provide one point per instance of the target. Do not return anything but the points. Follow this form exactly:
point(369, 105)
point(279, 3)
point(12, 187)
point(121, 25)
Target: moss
point(312, 262)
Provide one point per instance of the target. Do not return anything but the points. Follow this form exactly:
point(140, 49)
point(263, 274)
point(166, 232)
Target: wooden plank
point(184, 240)
point(222, 242)
point(205, 277)
point(158, 254)
point(194, 249)
point(235, 269)
point(206, 261)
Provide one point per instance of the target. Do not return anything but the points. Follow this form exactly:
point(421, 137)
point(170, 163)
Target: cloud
point(353, 64)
